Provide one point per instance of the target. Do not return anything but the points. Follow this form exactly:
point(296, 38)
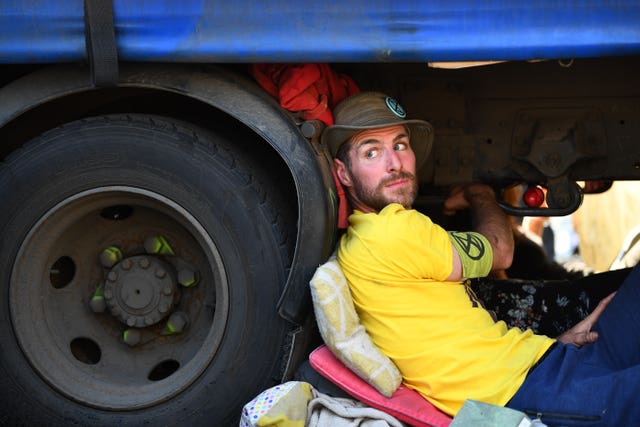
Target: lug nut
point(160, 273)
point(157, 245)
point(176, 324)
point(112, 276)
point(187, 277)
point(110, 256)
point(131, 337)
point(97, 303)
point(126, 264)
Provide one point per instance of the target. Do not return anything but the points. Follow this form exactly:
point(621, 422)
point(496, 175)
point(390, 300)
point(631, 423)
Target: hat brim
point(421, 137)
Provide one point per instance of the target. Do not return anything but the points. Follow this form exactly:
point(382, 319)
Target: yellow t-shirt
point(446, 345)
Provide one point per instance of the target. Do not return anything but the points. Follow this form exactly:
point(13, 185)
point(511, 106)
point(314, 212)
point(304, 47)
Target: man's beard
point(375, 198)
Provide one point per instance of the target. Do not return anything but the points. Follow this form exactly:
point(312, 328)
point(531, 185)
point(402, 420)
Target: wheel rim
point(124, 353)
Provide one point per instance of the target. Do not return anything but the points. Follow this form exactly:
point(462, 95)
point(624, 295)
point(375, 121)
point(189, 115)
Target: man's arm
point(488, 219)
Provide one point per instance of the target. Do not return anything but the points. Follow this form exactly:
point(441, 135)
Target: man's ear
point(342, 173)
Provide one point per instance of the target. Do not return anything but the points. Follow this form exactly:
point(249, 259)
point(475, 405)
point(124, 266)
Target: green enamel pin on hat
point(373, 110)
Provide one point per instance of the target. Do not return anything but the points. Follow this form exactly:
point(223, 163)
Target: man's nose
point(394, 162)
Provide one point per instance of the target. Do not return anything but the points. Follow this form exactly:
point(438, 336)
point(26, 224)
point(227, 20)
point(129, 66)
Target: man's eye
point(370, 154)
point(400, 146)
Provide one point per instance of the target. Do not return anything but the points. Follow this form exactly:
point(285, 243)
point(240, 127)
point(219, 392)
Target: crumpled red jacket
point(312, 90)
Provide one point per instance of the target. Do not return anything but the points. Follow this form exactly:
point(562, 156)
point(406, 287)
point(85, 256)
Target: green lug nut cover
point(158, 245)
point(110, 256)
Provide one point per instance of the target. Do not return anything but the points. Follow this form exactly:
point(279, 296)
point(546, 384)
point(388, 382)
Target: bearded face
point(385, 192)
point(379, 169)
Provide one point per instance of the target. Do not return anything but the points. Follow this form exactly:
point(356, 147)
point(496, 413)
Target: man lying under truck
point(407, 278)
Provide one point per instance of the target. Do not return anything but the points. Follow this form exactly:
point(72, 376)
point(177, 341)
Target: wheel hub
point(141, 290)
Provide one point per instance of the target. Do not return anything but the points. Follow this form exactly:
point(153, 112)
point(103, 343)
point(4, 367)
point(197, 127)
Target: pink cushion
point(405, 404)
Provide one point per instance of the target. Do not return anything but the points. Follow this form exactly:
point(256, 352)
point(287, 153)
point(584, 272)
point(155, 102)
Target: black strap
point(100, 39)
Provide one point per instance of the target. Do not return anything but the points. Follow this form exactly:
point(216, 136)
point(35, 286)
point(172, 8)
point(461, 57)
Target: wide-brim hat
point(373, 110)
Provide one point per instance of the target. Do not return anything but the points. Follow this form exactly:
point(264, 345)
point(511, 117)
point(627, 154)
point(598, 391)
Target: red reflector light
point(533, 197)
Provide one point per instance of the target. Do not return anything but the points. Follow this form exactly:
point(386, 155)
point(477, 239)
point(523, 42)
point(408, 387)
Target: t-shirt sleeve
point(401, 244)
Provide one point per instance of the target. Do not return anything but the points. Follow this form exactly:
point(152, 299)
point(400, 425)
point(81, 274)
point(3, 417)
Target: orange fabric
point(312, 90)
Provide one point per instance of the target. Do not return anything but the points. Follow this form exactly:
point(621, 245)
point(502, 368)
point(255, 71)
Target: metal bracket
point(552, 140)
point(563, 198)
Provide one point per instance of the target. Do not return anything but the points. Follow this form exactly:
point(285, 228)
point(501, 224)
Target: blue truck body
point(301, 31)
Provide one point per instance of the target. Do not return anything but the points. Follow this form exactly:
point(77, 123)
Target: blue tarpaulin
point(33, 31)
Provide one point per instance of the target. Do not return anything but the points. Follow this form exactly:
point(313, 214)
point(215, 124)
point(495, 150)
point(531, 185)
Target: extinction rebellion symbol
point(395, 107)
point(471, 244)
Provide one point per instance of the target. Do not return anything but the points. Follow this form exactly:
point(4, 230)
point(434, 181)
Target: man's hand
point(461, 196)
point(581, 333)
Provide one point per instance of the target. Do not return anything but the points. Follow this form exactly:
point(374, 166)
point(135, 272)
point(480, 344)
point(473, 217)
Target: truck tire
point(142, 262)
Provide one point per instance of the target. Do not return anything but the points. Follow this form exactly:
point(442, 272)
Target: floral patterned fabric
point(547, 307)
